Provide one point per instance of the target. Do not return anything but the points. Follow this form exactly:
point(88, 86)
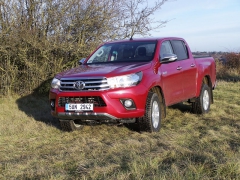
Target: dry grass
point(188, 146)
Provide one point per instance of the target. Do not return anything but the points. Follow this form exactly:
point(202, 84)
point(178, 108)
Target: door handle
point(179, 68)
point(192, 65)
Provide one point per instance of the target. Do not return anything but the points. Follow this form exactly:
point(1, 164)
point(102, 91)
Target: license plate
point(79, 107)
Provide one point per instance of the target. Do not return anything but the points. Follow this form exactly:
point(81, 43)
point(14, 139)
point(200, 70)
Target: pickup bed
point(132, 81)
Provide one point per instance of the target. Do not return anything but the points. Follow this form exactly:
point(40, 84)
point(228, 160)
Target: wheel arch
point(207, 80)
point(159, 92)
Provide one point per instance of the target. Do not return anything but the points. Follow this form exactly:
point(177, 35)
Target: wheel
point(70, 125)
point(202, 103)
point(151, 121)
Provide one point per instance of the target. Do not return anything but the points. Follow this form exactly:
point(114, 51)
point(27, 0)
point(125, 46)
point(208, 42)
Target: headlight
point(55, 83)
point(125, 81)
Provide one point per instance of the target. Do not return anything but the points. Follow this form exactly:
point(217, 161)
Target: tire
point(70, 125)
point(151, 122)
point(202, 103)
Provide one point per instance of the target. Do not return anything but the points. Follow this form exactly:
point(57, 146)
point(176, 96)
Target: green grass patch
point(188, 146)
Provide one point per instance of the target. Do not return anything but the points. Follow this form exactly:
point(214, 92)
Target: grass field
point(188, 146)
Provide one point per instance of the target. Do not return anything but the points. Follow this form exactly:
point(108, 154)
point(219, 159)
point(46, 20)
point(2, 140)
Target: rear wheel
point(151, 121)
point(202, 103)
point(70, 125)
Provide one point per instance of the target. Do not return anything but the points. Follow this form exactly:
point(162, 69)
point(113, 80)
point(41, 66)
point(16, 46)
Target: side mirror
point(80, 62)
point(168, 58)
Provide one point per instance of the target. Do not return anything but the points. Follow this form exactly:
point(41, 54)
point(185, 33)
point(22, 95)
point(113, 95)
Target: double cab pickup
point(133, 81)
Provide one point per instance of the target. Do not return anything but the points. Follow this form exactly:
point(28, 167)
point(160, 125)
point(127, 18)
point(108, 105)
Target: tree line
point(39, 38)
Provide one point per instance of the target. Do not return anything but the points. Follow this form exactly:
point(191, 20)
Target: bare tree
point(137, 18)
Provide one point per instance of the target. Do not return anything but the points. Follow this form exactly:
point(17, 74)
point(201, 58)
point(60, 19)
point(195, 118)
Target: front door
point(171, 76)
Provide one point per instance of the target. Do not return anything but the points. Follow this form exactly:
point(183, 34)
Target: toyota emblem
point(79, 85)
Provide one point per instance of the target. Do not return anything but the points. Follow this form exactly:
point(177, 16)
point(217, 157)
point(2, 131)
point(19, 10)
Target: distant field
point(188, 146)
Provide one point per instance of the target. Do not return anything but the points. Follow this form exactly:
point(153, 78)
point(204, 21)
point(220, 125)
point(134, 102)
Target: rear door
point(171, 76)
point(188, 69)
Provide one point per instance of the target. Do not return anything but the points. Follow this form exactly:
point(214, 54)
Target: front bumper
point(113, 109)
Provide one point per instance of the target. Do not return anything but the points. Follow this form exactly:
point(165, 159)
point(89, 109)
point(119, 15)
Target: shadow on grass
point(133, 127)
point(183, 107)
point(36, 105)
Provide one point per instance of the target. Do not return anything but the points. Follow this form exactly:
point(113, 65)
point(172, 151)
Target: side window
point(180, 49)
point(165, 48)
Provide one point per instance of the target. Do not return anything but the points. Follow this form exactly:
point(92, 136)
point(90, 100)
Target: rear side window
point(180, 49)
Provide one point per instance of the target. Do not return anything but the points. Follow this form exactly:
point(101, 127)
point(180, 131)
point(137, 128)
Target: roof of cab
point(142, 39)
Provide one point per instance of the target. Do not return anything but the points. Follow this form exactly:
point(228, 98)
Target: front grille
point(87, 84)
point(96, 100)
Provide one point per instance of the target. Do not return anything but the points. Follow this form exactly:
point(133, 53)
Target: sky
point(206, 25)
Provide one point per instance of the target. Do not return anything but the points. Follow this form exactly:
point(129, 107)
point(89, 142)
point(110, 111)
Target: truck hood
point(105, 70)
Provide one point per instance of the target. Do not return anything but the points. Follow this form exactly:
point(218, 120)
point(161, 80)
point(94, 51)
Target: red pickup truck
point(132, 81)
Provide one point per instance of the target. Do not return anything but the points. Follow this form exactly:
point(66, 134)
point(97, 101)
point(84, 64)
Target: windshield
point(124, 52)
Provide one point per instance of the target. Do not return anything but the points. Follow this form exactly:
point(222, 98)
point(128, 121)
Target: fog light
point(128, 104)
point(52, 104)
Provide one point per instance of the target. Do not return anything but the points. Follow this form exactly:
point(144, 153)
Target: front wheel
point(151, 121)
point(70, 125)
point(202, 103)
